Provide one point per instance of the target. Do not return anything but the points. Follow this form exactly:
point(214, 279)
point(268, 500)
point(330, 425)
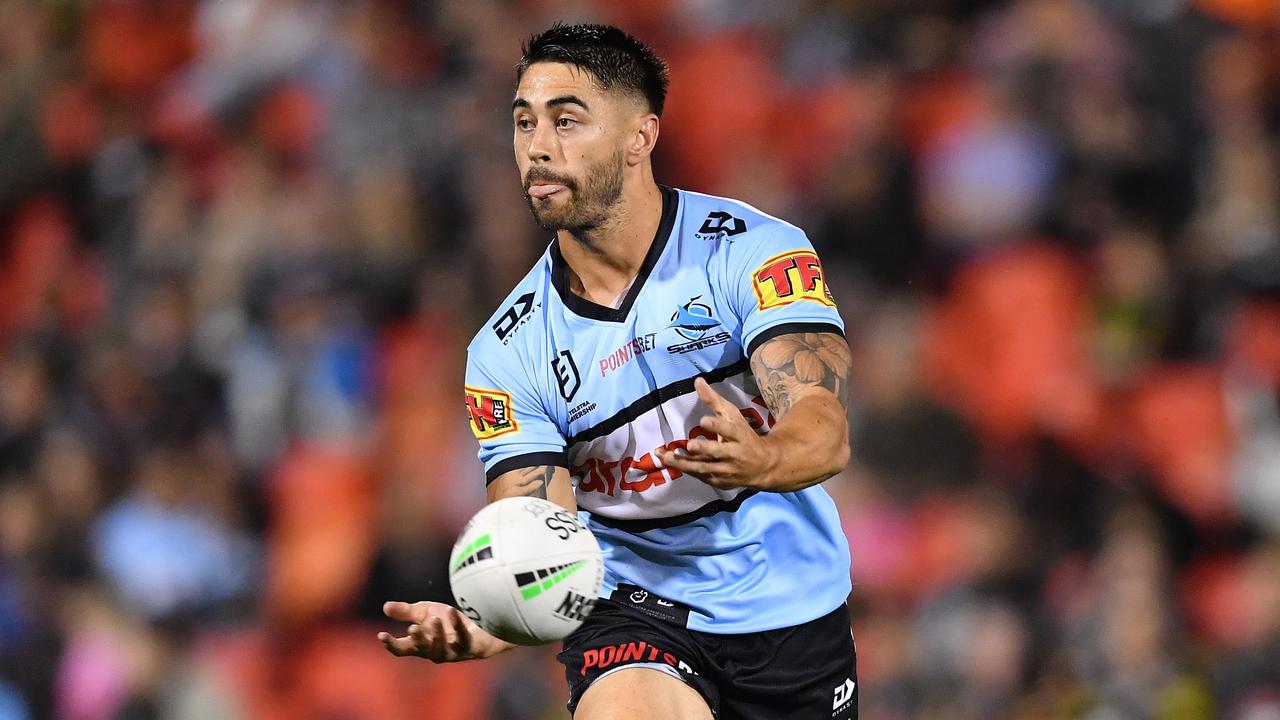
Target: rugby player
point(674, 369)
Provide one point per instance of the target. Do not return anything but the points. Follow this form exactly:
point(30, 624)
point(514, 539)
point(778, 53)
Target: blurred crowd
point(243, 244)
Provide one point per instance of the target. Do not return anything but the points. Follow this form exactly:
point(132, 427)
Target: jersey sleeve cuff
point(517, 462)
point(787, 328)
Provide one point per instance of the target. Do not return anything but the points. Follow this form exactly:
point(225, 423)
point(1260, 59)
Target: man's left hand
point(735, 456)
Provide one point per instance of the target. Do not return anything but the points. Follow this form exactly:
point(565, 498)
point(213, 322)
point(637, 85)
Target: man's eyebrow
point(567, 100)
point(521, 103)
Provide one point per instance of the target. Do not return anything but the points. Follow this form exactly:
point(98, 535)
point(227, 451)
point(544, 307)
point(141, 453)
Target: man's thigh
point(639, 693)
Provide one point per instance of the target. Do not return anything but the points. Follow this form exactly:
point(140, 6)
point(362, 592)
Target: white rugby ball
point(526, 570)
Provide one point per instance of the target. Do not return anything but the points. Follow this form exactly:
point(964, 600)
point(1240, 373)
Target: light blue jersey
point(553, 379)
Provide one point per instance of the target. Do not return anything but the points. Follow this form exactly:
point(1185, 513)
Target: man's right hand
point(439, 633)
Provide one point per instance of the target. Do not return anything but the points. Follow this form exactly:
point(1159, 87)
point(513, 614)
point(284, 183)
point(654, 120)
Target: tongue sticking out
point(537, 192)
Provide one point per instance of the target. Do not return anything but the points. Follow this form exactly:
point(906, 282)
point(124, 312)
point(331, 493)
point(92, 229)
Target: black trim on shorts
point(585, 308)
point(641, 525)
point(653, 400)
point(792, 327)
point(517, 462)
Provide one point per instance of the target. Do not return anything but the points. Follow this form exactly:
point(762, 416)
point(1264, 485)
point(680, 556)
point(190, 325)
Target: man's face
point(569, 140)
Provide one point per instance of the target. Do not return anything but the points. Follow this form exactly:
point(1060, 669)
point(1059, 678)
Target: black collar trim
point(581, 306)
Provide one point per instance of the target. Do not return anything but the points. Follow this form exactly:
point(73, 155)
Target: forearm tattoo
point(533, 481)
point(785, 365)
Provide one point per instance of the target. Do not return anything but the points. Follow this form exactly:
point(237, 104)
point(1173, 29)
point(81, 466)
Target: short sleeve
point(778, 286)
point(508, 418)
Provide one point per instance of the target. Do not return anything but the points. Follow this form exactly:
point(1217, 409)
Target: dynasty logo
point(515, 316)
point(719, 222)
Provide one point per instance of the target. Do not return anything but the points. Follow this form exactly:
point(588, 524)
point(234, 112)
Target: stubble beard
point(590, 204)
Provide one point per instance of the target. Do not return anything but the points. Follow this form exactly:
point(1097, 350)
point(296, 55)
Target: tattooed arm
point(804, 378)
point(545, 481)
point(791, 367)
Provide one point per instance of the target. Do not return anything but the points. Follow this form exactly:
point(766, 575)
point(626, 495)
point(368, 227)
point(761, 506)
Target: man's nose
point(541, 143)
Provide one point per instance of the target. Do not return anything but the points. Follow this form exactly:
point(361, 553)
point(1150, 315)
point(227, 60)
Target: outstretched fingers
point(461, 635)
point(398, 646)
point(404, 612)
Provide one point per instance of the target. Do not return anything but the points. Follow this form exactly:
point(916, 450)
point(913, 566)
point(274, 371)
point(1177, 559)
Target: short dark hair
point(613, 57)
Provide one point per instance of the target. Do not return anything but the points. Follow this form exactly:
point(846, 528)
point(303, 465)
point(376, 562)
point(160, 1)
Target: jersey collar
point(581, 306)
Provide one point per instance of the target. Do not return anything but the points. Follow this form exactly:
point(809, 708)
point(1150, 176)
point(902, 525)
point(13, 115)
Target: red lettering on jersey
point(810, 272)
point(646, 464)
point(595, 476)
point(776, 274)
point(638, 474)
point(790, 277)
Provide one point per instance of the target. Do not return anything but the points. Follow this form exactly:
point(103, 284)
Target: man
point(673, 367)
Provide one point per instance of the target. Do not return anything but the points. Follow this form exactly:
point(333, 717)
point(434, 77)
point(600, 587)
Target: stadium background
point(243, 244)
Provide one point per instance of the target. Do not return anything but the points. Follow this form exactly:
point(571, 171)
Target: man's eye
point(524, 124)
point(565, 122)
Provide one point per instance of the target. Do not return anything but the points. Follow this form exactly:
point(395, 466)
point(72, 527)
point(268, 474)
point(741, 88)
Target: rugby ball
point(526, 570)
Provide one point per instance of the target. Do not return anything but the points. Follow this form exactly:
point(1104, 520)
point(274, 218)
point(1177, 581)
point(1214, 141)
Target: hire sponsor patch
point(490, 412)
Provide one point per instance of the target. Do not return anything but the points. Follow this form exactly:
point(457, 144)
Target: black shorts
point(806, 672)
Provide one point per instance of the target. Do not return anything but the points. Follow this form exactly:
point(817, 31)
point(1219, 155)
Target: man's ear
point(643, 139)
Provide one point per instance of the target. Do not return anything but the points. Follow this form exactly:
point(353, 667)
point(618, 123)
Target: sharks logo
point(693, 321)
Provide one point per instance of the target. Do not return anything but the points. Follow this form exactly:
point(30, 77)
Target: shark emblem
point(693, 319)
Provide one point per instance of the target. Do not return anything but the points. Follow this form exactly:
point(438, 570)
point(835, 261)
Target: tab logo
point(791, 277)
point(491, 413)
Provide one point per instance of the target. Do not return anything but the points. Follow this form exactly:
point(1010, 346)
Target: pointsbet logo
point(630, 652)
point(491, 413)
point(791, 277)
